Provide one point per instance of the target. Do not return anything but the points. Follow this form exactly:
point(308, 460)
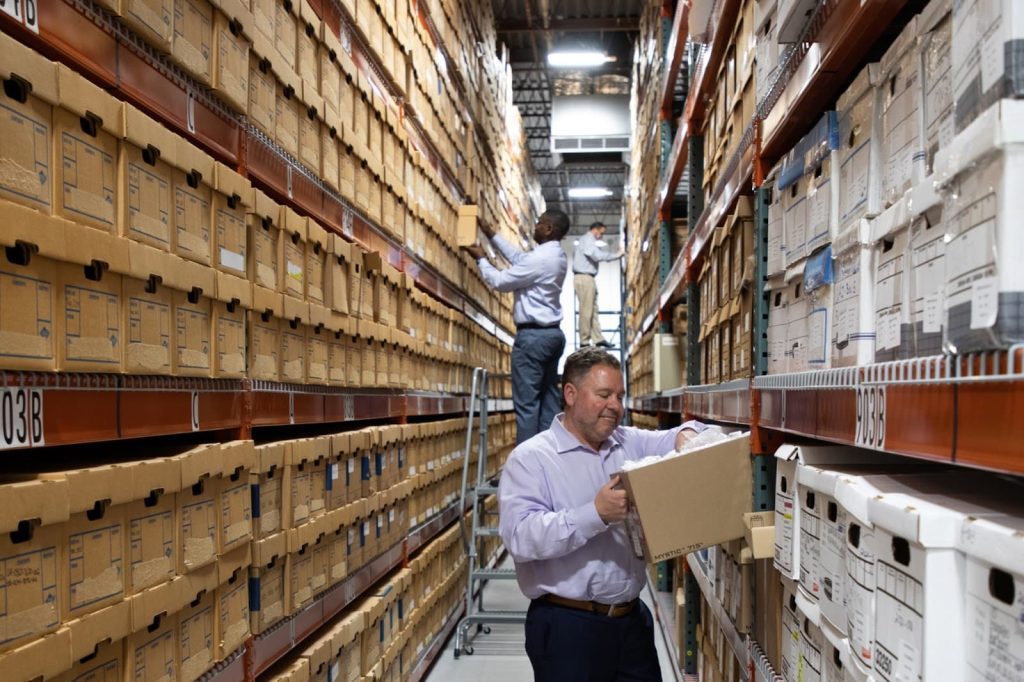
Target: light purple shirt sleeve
point(512, 254)
point(521, 274)
point(529, 528)
point(597, 253)
point(643, 443)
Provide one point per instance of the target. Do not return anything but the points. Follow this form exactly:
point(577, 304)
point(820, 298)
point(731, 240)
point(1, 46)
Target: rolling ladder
point(474, 493)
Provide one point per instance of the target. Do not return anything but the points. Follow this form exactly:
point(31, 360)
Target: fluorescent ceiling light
point(589, 192)
point(577, 58)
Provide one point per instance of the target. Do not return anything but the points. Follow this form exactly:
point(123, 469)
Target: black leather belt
point(610, 610)
point(534, 325)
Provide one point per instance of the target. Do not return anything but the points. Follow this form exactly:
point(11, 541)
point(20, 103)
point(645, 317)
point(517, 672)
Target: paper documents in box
point(680, 504)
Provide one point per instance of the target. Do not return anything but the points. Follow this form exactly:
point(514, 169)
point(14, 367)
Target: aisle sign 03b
point(21, 418)
point(870, 432)
point(22, 11)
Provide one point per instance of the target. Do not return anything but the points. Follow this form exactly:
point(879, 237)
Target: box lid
point(265, 551)
point(33, 498)
point(82, 98)
point(149, 475)
point(269, 456)
point(31, 66)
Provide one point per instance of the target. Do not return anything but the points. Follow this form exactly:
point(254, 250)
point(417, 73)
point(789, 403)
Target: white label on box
point(351, 466)
point(992, 46)
point(900, 623)
point(334, 472)
point(380, 521)
point(932, 322)
point(818, 336)
point(351, 536)
point(984, 302)
point(860, 596)
point(391, 516)
point(887, 329)
point(810, 546)
point(853, 179)
point(996, 646)
point(832, 564)
point(784, 519)
point(230, 259)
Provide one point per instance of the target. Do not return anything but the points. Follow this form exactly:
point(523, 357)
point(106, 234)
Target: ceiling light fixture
point(577, 58)
point(589, 192)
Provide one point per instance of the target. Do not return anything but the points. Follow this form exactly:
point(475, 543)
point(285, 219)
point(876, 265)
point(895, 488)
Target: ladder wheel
point(469, 651)
point(487, 629)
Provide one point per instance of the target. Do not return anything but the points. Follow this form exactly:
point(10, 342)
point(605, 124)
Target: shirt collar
point(566, 442)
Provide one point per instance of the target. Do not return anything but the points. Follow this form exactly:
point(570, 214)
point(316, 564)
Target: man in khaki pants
point(586, 258)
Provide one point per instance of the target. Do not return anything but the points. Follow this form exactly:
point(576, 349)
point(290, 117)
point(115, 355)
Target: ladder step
point(495, 574)
point(482, 490)
point(487, 531)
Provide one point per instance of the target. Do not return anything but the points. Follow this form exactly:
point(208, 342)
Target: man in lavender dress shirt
point(535, 277)
point(561, 518)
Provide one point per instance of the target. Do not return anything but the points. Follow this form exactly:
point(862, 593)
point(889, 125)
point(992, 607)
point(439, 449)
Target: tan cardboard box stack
point(131, 557)
point(383, 635)
point(726, 303)
point(183, 249)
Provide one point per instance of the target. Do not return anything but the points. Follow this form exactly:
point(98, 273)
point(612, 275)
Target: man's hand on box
point(475, 250)
point(683, 437)
point(486, 228)
point(611, 502)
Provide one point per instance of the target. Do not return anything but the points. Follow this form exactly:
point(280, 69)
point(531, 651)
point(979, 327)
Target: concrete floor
point(500, 656)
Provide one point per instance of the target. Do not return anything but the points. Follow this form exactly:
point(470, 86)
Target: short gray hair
point(579, 364)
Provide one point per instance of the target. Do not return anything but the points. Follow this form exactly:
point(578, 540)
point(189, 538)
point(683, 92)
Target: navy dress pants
point(568, 645)
point(535, 394)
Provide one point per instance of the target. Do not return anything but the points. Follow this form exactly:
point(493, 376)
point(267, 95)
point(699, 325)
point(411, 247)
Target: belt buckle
point(612, 610)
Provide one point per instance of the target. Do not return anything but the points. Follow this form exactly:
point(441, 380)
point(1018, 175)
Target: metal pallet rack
point(956, 410)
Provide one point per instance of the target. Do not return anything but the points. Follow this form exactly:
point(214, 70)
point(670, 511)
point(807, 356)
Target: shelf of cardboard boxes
point(284, 151)
point(718, 629)
point(120, 57)
point(854, 337)
point(766, 94)
point(644, 245)
point(223, 540)
point(394, 632)
point(319, 296)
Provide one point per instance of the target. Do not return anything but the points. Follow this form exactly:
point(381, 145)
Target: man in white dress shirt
point(586, 258)
point(535, 277)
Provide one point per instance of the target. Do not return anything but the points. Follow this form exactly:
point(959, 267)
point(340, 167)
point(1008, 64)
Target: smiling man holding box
point(562, 511)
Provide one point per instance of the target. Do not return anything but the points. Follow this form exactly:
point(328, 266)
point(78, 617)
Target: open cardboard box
point(682, 504)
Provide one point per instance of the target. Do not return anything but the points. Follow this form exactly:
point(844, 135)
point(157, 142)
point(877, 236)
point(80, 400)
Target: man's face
point(541, 231)
point(599, 231)
point(595, 405)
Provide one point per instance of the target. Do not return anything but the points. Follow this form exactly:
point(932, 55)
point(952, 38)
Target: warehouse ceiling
point(530, 29)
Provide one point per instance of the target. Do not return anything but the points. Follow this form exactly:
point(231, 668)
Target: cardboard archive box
point(680, 487)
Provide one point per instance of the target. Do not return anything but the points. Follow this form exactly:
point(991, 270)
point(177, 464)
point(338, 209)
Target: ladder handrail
point(466, 456)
